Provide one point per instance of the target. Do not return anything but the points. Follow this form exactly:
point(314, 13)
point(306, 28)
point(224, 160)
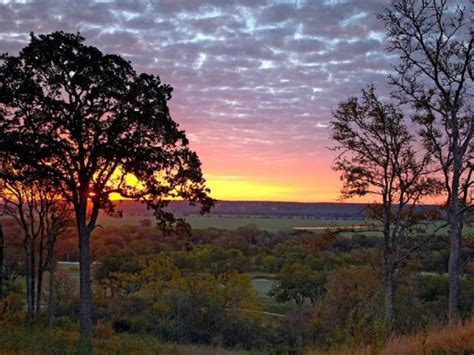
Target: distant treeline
point(262, 209)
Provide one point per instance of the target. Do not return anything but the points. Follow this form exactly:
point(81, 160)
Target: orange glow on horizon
point(241, 188)
point(292, 185)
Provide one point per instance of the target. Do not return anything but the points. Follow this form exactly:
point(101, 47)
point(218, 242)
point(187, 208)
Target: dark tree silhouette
point(434, 39)
point(378, 157)
point(94, 127)
point(39, 211)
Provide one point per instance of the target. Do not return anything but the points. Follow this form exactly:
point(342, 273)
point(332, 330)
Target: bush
point(12, 307)
point(103, 330)
point(66, 323)
point(352, 309)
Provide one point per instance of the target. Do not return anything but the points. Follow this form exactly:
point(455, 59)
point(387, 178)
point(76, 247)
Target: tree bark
point(50, 265)
point(84, 228)
point(40, 274)
point(388, 265)
point(454, 270)
point(39, 286)
point(85, 281)
point(52, 295)
point(389, 295)
point(29, 281)
point(32, 279)
point(455, 234)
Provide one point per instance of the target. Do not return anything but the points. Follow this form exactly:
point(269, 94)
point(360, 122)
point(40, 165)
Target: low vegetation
point(242, 289)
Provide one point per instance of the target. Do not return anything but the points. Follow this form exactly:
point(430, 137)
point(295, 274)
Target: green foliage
point(197, 291)
point(11, 307)
point(426, 296)
point(175, 304)
point(352, 309)
point(211, 259)
point(296, 282)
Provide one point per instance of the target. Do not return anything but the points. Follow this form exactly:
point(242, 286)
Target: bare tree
point(434, 39)
point(42, 216)
point(60, 220)
point(378, 157)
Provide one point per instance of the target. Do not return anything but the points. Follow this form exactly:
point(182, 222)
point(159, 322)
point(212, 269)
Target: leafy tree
point(299, 283)
point(94, 127)
point(112, 268)
point(235, 292)
point(434, 40)
point(352, 308)
point(378, 157)
point(215, 260)
point(191, 306)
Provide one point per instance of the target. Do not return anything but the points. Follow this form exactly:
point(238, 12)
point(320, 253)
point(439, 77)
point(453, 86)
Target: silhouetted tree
point(434, 39)
point(42, 216)
point(378, 157)
point(94, 127)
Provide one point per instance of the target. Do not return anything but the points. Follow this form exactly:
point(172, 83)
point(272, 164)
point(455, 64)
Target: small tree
point(42, 216)
point(434, 39)
point(94, 127)
point(297, 282)
point(378, 157)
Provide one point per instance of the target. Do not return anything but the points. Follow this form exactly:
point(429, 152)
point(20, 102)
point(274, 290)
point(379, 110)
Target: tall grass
point(22, 338)
point(457, 340)
point(446, 340)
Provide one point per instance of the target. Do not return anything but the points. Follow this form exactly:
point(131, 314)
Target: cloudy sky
point(254, 81)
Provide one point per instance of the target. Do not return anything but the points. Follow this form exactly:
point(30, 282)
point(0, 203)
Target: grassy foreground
point(37, 339)
point(20, 338)
point(446, 340)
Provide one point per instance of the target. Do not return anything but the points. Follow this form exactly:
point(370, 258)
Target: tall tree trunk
point(454, 270)
point(33, 279)
point(52, 294)
point(388, 265)
point(39, 286)
point(455, 233)
point(28, 277)
point(84, 229)
point(2, 246)
point(389, 295)
point(85, 283)
point(40, 273)
point(50, 265)
point(454, 275)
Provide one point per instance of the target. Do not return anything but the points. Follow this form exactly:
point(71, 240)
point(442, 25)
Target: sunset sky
point(254, 81)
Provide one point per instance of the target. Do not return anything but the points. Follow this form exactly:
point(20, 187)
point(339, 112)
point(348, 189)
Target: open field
point(268, 224)
point(273, 224)
point(262, 286)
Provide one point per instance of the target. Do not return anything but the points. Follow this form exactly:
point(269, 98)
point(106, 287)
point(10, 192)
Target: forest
point(82, 130)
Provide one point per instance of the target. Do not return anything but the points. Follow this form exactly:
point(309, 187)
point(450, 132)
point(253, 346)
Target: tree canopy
point(88, 123)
